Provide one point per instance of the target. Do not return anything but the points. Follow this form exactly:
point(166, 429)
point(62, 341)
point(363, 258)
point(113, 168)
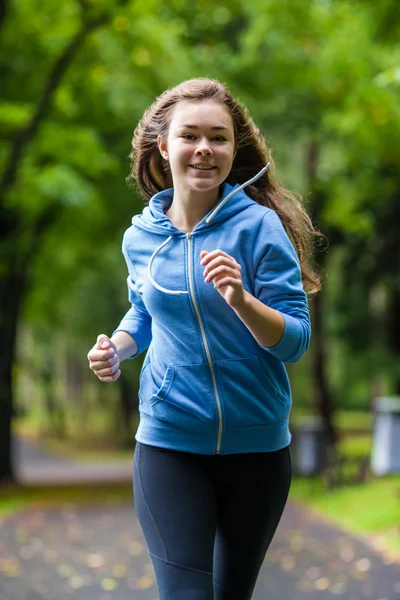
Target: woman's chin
point(204, 184)
point(205, 189)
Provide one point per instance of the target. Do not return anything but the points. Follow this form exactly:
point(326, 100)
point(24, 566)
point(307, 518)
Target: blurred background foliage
point(321, 79)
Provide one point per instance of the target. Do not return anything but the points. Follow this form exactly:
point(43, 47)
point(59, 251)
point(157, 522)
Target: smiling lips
point(202, 167)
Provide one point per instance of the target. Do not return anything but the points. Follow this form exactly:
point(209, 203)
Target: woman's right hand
point(104, 360)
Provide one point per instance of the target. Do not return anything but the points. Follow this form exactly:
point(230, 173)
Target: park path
point(35, 464)
point(99, 553)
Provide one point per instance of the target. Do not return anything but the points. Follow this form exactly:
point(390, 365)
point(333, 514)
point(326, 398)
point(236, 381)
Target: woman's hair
point(152, 173)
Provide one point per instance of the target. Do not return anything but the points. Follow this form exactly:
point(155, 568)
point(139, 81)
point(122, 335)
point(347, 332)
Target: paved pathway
point(36, 465)
point(94, 553)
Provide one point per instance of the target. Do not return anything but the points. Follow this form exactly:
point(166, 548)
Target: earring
point(165, 155)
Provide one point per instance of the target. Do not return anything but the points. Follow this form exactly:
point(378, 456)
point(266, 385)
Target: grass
point(354, 420)
point(15, 497)
point(370, 509)
point(94, 445)
point(356, 445)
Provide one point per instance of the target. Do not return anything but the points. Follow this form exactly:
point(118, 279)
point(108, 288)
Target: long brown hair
point(152, 172)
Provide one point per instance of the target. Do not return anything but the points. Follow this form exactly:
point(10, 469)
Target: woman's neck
point(187, 210)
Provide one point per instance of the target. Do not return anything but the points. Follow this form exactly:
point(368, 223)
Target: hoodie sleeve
point(278, 285)
point(137, 321)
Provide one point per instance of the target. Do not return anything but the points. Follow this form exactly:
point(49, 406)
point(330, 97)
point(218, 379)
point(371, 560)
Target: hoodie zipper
point(203, 335)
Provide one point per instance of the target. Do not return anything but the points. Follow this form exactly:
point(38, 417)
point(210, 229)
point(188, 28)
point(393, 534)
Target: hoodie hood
point(154, 218)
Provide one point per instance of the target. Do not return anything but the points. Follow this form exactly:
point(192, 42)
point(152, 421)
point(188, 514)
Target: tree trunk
point(322, 400)
point(48, 372)
point(12, 289)
point(16, 256)
point(393, 325)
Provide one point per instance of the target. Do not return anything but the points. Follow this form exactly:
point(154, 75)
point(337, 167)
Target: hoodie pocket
point(249, 395)
point(145, 364)
point(185, 398)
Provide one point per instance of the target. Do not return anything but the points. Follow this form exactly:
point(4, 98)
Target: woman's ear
point(162, 146)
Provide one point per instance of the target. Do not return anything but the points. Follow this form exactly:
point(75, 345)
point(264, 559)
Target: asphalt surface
point(93, 553)
point(36, 465)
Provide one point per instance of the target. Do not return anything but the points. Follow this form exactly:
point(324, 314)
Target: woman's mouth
point(202, 167)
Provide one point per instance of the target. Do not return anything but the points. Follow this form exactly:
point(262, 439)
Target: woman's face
point(200, 146)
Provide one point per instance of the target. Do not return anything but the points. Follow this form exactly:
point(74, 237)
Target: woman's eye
point(191, 136)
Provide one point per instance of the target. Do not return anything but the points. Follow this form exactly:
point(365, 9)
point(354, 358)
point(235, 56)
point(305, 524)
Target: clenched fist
point(104, 360)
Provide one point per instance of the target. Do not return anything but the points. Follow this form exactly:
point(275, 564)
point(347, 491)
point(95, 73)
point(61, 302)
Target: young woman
point(217, 295)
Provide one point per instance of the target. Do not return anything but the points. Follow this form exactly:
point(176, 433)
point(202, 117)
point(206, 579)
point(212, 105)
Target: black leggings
point(209, 520)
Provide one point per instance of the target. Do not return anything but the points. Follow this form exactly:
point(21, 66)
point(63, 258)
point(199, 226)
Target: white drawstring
point(159, 287)
point(233, 192)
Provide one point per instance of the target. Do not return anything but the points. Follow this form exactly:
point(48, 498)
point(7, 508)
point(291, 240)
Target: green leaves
point(311, 73)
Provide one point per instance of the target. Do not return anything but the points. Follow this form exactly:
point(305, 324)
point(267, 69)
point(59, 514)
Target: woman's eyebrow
point(214, 128)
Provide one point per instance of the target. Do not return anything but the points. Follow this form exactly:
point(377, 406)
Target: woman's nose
point(203, 149)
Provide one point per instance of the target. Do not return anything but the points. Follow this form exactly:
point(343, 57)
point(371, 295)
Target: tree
point(38, 183)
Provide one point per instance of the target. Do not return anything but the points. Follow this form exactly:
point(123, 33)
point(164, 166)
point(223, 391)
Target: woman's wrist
point(125, 344)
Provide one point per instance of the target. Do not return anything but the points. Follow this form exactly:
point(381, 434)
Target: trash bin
point(385, 457)
point(311, 446)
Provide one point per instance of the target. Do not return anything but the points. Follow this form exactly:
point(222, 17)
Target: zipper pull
point(189, 235)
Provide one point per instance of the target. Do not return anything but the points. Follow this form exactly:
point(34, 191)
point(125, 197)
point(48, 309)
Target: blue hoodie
point(206, 385)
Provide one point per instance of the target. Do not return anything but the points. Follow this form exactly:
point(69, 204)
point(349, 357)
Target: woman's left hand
point(226, 274)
